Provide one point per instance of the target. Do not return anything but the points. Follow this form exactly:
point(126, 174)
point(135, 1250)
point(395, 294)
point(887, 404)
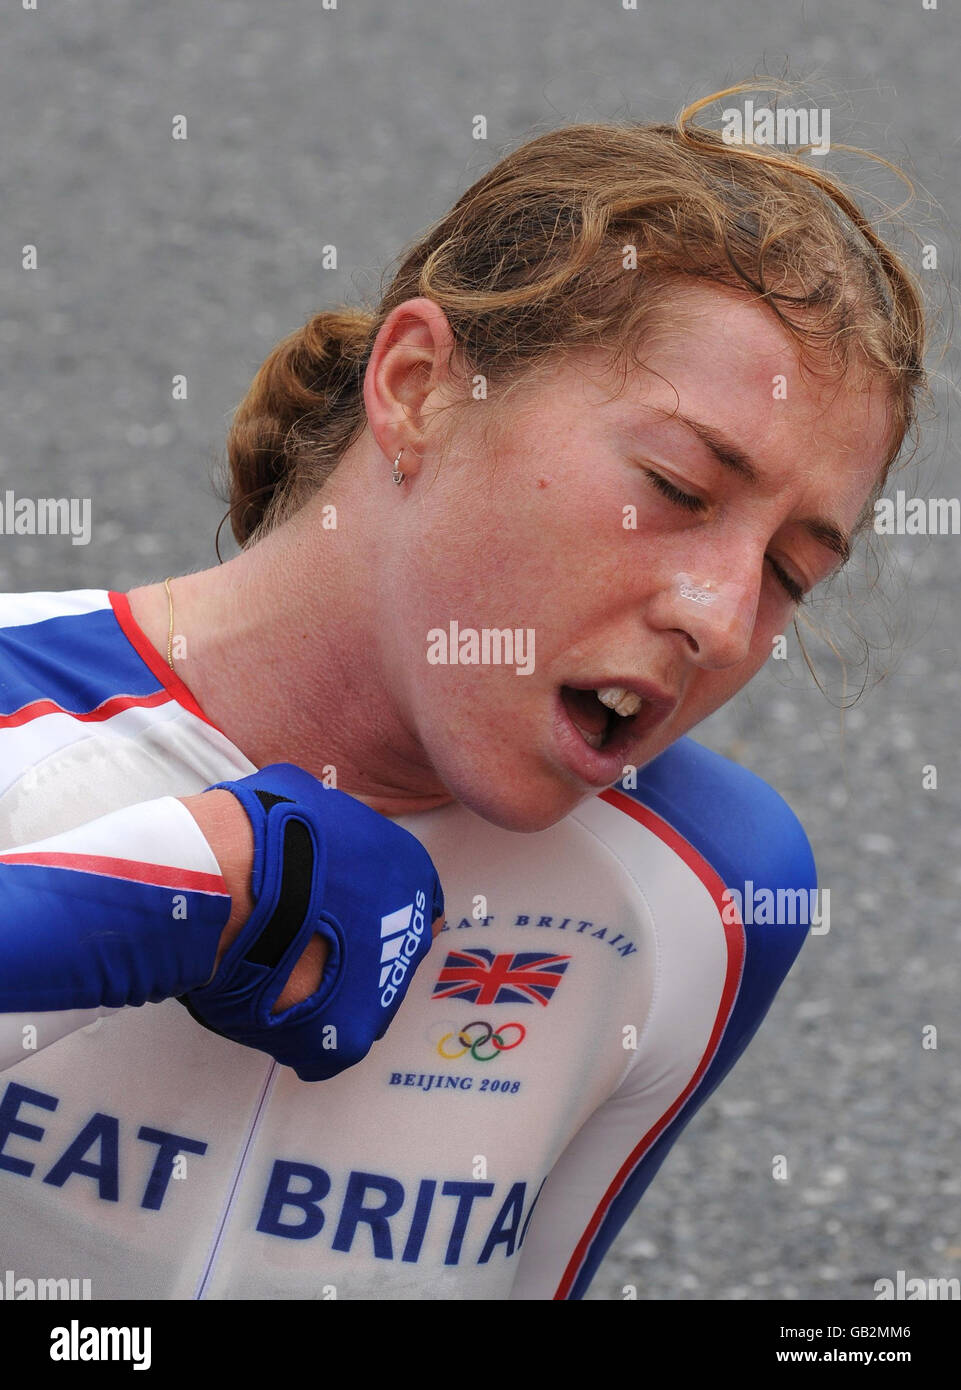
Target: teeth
point(621, 701)
point(595, 740)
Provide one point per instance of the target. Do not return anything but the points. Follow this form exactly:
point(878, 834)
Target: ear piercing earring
point(396, 475)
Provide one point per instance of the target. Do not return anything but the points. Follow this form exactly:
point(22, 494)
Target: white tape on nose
point(728, 603)
point(697, 591)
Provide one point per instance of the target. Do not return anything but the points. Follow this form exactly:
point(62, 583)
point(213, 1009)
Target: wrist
point(227, 830)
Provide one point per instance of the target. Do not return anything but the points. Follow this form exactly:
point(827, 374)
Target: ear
point(408, 364)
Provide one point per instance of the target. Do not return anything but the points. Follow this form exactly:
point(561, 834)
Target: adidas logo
point(401, 933)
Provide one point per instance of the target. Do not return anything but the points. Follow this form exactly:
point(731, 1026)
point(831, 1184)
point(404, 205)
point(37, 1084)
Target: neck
point(280, 651)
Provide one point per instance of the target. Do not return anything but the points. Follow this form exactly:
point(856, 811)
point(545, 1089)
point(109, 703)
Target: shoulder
point(44, 632)
point(68, 650)
point(736, 820)
point(745, 843)
point(21, 611)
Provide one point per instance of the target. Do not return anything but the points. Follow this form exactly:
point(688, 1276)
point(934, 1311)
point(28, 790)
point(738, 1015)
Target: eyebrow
point(736, 461)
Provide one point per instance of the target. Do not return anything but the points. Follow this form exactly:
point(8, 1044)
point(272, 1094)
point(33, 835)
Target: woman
point(505, 541)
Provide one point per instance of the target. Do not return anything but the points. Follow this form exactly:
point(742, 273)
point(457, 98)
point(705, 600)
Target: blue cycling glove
point(324, 863)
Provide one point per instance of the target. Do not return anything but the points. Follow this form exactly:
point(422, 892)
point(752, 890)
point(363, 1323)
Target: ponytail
point(303, 409)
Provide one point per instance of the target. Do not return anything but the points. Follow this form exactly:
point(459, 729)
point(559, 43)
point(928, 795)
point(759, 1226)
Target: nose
point(715, 615)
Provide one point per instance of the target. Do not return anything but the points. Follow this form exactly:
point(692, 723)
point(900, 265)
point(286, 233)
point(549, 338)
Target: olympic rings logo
point(486, 1037)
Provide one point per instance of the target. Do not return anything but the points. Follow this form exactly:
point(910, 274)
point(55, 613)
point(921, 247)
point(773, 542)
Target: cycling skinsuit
point(591, 988)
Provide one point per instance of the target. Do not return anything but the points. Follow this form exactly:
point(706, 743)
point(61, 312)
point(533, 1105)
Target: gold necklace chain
point(170, 627)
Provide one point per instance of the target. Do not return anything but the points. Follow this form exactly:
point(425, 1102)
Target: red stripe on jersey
point(161, 875)
point(734, 936)
point(149, 655)
point(111, 706)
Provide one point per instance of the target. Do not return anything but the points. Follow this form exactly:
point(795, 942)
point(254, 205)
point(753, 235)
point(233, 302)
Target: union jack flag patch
point(480, 977)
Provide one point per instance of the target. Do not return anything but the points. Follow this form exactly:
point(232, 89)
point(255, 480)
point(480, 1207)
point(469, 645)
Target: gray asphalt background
point(352, 126)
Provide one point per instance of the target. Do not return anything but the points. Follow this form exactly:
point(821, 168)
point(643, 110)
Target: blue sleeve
point(121, 910)
point(755, 842)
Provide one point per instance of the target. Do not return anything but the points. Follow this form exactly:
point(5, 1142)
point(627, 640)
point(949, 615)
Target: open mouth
point(605, 718)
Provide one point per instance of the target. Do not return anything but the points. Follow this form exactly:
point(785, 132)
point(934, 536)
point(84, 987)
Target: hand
point(329, 877)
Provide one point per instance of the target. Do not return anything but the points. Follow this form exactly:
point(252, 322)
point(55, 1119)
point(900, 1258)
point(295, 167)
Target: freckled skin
point(483, 534)
point(603, 599)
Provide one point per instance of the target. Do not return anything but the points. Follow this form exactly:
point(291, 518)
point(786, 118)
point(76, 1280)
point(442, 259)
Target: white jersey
point(591, 987)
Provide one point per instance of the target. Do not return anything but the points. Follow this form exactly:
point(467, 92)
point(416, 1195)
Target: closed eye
point(674, 494)
point(793, 589)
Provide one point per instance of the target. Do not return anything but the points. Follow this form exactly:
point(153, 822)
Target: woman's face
point(643, 539)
